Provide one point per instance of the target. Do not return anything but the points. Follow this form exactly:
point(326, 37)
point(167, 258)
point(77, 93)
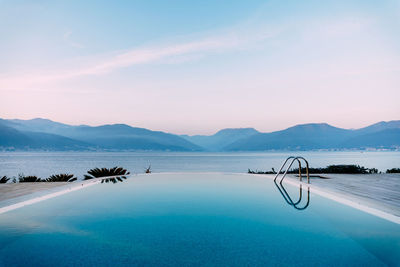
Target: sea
point(44, 164)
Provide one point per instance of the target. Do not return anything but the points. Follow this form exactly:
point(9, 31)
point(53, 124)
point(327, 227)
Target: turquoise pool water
point(194, 219)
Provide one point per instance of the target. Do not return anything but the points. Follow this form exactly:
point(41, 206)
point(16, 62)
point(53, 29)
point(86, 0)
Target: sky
point(194, 67)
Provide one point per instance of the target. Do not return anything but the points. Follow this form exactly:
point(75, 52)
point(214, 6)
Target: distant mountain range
point(322, 136)
point(49, 135)
point(221, 139)
point(43, 134)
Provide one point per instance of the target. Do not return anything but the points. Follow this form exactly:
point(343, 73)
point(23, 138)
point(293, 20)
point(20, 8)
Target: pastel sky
point(194, 67)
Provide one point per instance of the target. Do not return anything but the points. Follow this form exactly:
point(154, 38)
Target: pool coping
point(313, 189)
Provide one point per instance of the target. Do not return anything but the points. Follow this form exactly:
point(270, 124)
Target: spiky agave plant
point(62, 177)
point(4, 179)
point(28, 179)
point(118, 172)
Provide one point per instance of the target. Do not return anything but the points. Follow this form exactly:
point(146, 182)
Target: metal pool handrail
point(293, 158)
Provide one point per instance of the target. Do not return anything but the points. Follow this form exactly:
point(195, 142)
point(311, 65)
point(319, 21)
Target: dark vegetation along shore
point(393, 170)
point(336, 169)
point(114, 175)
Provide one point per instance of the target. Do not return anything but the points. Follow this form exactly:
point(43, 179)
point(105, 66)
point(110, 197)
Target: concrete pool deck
point(17, 195)
point(11, 190)
point(373, 193)
point(378, 191)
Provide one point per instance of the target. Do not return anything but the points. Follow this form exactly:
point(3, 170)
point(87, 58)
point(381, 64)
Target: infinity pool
point(194, 219)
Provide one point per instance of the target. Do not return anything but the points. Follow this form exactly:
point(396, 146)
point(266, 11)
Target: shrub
point(345, 169)
point(28, 179)
point(393, 170)
point(4, 179)
point(118, 172)
point(260, 172)
point(148, 170)
point(62, 177)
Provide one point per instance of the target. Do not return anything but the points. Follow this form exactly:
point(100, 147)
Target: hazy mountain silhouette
point(121, 136)
point(50, 135)
point(12, 138)
point(388, 138)
point(38, 125)
point(221, 139)
point(322, 136)
point(299, 137)
point(114, 137)
point(380, 126)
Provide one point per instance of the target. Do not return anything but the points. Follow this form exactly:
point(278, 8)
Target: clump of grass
point(119, 173)
point(62, 177)
point(148, 169)
point(29, 179)
point(393, 170)
point(4, 179)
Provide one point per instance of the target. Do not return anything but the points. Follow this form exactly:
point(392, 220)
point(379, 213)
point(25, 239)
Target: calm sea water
point(44, 164)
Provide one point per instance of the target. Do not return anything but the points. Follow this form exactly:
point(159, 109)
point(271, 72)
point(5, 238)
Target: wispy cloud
point(148, 55)
point(119, 60)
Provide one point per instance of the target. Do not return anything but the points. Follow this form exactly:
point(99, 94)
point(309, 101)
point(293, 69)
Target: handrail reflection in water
point(289, 200)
